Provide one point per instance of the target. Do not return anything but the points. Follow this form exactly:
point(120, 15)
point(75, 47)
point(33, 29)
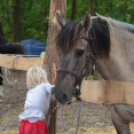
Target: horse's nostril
point(64, 97)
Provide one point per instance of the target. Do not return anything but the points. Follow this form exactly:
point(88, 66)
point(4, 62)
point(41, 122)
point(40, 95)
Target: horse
point(97, 41)
point(7, 49)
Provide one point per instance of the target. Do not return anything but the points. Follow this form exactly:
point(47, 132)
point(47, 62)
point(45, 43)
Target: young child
point(37, 102)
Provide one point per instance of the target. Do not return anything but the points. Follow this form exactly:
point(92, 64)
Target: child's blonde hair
point(35, 76)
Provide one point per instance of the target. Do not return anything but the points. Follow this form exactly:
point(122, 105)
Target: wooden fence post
point(51, 114)
point(51, 56)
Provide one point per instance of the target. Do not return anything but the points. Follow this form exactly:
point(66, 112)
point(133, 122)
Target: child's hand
point(53, 89)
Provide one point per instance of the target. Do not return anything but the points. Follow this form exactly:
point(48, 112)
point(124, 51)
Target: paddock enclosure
point(94, 119)
point(92, 115)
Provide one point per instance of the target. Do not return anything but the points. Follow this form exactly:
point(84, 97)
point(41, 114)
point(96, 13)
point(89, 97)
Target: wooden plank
point(19, 62)
point(107, 92)
point(54, 103)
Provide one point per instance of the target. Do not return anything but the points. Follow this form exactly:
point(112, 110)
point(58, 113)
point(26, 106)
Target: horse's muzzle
point(62, 97)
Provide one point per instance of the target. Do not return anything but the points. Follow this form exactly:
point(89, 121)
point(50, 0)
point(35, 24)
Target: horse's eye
point(80, 52)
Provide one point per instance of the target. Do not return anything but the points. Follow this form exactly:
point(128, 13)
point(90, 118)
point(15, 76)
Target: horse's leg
point(121, 125)
point(1, 88)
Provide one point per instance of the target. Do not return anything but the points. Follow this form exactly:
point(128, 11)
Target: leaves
point(34, 14)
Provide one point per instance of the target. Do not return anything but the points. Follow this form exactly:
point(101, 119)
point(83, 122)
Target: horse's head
point(71, 43)
point(77, 50)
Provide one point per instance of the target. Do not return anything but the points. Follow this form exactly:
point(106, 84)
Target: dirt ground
point(11, 105)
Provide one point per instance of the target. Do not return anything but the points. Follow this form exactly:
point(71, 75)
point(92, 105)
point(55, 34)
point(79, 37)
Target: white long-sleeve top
point(37, 103)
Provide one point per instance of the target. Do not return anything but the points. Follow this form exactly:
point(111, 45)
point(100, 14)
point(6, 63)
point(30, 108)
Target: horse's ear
point(86, 22)
point(60, 21)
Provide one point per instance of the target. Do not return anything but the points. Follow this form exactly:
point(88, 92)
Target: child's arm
point(52, 98)
point(49, 88)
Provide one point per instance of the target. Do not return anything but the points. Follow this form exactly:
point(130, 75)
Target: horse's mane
point(64, 38)
point(99, 31)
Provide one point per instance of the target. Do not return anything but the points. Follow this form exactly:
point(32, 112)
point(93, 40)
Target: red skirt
point(38, 127)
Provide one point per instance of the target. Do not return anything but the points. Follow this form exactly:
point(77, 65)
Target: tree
point(45, 16)
point(34, 14)
point(73, 9)
point(1, 30)
point(17, 27)
point(91, 8)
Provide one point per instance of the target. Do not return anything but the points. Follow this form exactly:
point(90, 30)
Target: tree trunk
point(1, 18)
point(51, 56)
point(1, 30)
point(125, 10)
point(45, 18)
point(17, 27)
point(73, 9)
point(91, 8)
point(110, 9)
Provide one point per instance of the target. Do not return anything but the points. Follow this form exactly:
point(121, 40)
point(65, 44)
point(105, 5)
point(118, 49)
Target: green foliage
point(34, 14)
point(34, 17)
point(81, 8)
point(6, 17)
point(118, 9)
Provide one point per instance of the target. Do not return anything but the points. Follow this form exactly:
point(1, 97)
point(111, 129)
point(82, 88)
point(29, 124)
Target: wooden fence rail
point(19, 62)
point(107, 92)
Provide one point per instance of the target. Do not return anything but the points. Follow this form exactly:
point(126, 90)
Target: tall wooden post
point(51, 56)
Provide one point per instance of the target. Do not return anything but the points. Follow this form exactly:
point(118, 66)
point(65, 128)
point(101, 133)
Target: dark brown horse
point(112, 53)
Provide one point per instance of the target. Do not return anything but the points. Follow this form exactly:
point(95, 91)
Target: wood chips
point(84, 130)
point(100, 130)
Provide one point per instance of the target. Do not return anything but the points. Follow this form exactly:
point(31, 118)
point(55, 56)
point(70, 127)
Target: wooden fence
point(19, 62)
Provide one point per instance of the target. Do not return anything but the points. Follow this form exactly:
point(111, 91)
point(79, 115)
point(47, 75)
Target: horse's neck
point(120, 65)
